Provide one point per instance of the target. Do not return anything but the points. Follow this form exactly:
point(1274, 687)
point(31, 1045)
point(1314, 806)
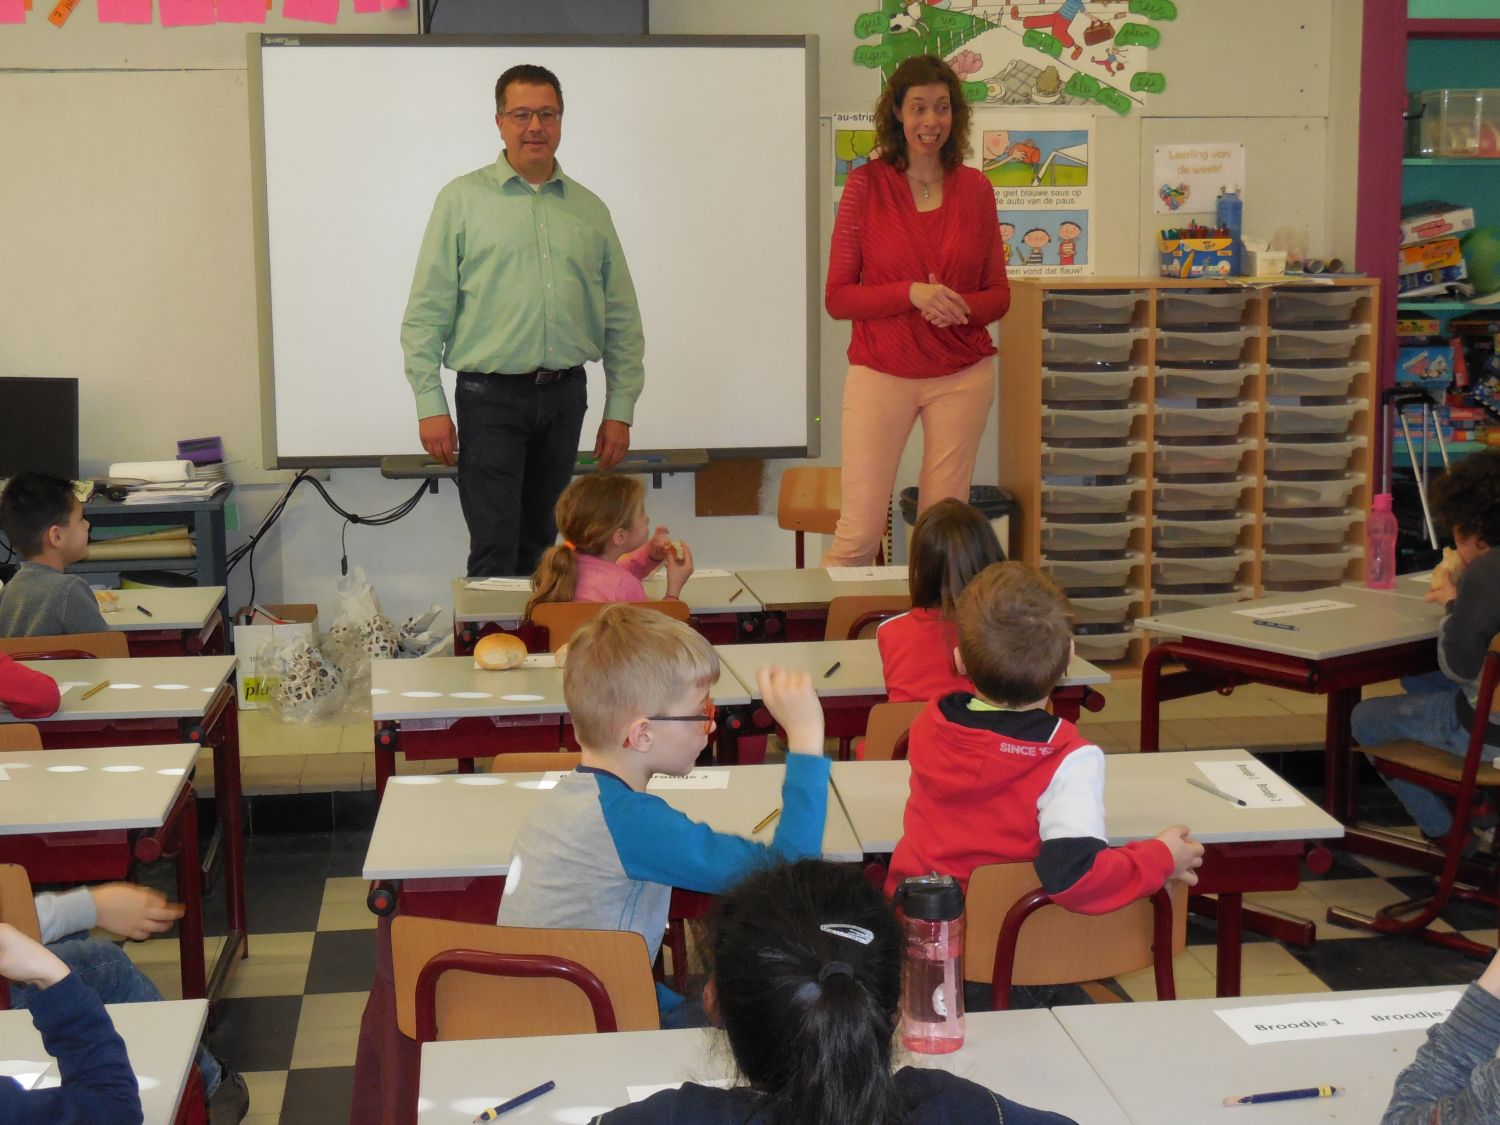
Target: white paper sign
point(1189, 176)
point(551, 778)
point(1330, 1019)
point(507, 584)
point(711, 574)
point(867, 573)
point(4, 774)
point(1252, 783)
point(540, 660)
point(641, 1093)
point(1295, 609)
point(698, 779)
point(24, 1071)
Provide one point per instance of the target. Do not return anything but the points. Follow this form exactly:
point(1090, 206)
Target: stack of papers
point(177, 490)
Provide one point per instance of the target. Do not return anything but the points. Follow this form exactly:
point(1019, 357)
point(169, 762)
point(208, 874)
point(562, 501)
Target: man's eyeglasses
point(706, 718)
point(522, 117)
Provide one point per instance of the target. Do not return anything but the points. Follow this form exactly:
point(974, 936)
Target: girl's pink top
point(602, 581)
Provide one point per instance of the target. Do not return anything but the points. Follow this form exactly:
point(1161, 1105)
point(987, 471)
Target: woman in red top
point(917, 264)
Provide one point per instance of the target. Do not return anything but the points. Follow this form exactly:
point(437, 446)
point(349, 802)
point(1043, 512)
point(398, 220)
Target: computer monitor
point(38, 426)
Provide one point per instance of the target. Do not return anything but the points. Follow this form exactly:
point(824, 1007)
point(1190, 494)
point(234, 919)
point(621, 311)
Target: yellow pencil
point(770, 816)
point(96, 689)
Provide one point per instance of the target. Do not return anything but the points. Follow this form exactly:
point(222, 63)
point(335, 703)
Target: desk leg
point(1227, 959)
point(190, 894)
point(1067, 702)
point(1339, 796)
point(230, 814)
point(1151, 699)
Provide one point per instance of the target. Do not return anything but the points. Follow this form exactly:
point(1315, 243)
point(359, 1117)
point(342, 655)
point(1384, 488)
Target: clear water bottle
point(1380, 544)
point(930, 909)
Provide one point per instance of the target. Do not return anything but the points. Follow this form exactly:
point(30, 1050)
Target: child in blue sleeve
point(601, 853)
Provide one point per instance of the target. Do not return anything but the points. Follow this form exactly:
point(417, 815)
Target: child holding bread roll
point(608, 546)
point(1438, 708)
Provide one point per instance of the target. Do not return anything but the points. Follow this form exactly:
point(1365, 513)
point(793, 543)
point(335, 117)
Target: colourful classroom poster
point(853, 145)
point(1189, 177)
point(186, 13)
point(12, 11)
point(124, 11)
point(311, 11)
point(1038, 164)
point(394, 3)
point(242, 11)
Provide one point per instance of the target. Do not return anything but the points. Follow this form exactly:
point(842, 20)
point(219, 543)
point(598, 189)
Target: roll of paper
point(153, 471)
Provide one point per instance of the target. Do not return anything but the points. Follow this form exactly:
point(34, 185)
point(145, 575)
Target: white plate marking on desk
point(698, 779)
point(471, 695)
point(123, 769)
point(417, 779)
point(1295, 609)
point(1330, 1019)
point(69, 685)
point(67, 769)
point(172, 771)
point(523, 697)
point(479, 779)
point(548, 780)
point(25, 1071)
point(867, 573)
point(124, 687)
point(421, 695)
point(641, 1093)
point(1252, 783)
point(521, 584)
point(170, 687)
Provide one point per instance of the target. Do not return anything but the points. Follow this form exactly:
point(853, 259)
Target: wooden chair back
point(17, 906)
point(887, 728)
point(809, 501)
point(563, 619)
point(536, 761)
point(68, 647)
point(20, 736)
point(1055, 945)
point(474, 1006)
point(852, 616)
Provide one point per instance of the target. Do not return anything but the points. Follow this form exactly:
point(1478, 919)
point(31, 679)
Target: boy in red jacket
point(26, 693)
point(995, 778)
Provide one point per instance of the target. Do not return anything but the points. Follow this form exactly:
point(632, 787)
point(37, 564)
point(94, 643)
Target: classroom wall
point(125, 217)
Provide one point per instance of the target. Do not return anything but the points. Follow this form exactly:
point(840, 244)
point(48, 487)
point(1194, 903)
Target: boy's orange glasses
point(706, 717)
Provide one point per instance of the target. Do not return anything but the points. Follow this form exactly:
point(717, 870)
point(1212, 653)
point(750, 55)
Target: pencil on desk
point(834, 667)
point(146, 611)
point(737, 593)
point(770, 816)
point(1285, 1095)
point(96, 689)
point(1216, 791)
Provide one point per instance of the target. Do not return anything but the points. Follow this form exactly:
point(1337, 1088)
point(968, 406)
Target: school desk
point(164, 699)
point(1247, 849)
point(796, 600)
point(161, 1038)
point(84, 815)
point(1174, 1063)
point(445, 707)
point(176, 622)
point(1024, 1055)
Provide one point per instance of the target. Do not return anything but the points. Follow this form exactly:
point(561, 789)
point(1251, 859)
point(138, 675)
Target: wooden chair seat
point(886, 730)
point(562, 619)
point(809, 501)
point(536, 761)
point(852, 616)
point(1431, 760)
point(20, 736)
point(68, 646)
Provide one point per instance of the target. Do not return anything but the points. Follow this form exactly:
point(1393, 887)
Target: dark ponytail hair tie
point(835, 969)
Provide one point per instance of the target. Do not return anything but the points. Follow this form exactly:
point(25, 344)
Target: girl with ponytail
point(806, 982)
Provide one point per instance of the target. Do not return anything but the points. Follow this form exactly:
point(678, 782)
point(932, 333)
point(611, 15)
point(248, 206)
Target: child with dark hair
point(806, 980)
point(43, 520)
point(1438, 708)
point(951, 543)
point(996, 779)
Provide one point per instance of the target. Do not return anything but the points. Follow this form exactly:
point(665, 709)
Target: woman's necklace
point(925, 185)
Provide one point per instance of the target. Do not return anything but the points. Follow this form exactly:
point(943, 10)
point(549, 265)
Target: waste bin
point(993, 502)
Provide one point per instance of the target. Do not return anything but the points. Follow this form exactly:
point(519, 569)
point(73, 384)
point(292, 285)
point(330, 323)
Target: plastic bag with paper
point(299, 683)
point(360, 632)
point(419, 637)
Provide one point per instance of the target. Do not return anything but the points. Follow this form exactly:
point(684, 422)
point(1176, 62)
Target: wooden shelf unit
point(1020, 405)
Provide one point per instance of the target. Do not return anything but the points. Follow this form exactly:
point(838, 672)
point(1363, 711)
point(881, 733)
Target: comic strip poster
point(1039, 166)
point(853, 144)
point(1041, 53)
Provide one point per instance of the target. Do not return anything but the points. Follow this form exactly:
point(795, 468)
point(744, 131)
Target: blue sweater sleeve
point(98, 1086)
point(657, 843)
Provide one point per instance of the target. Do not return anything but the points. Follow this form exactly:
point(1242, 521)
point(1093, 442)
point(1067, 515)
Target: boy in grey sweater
point(44, 522)
point(1455, 1078)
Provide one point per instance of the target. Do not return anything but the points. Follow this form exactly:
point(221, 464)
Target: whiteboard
point(703, 148)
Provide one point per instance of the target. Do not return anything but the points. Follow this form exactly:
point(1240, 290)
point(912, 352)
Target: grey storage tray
point(1174, 421)
point(1201, 382)
point(1088, 499)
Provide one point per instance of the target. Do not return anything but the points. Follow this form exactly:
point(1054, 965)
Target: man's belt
point(541, 376)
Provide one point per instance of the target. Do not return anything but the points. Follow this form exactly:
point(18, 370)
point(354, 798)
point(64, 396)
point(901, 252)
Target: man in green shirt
point(520, 281)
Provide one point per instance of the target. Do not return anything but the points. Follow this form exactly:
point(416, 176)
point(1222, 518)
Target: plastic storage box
point(1191, 420)
point(1204, 344)
point(1296, 491)
point(1208, 568)
point(1457, 122)
point(1083, 534)
point(1199, 496)
point(1089, 499)
point(1314, 343)
point(1168, 599)
point(1112, 345)
point(1090, 307)
point(1104, 609)
point(1096, 424)
point(1178, 458)
point(1092, 574)
point(1314, 378)
point(1311, 456)
point(1094, 382)
point(1200, 306)
point(1330, 418)
point(1306, 568)
point(1103, 646)
point(1308, 531)
point(1111, 460)
point(1170, 533)
point(1211, 380)
point(1313, 306)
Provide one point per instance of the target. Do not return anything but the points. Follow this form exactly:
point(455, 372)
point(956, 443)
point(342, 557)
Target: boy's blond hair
point(1015, 633)
point(630, 661)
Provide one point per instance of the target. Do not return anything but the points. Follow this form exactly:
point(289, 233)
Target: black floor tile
point(256, 1032)
point(342, 961)
point(1458, 913)
point(1345, 866)
point(318, 1096)
point(279, 813)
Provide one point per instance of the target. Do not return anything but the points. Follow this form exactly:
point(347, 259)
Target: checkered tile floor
point(292, 1010)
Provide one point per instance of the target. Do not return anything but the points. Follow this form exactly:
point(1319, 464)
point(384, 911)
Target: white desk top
point(161, 1039)
point(1024, 1055)
point(859, 671)
point(450, 687)
point(434, 826)
point(505, 607)
point(141, 687)
point(1175, 1063)
point(811, 588)
point(188, 608)
point(1375, 620)
point(1143, 793)
point(710, 593)
point(91, 790)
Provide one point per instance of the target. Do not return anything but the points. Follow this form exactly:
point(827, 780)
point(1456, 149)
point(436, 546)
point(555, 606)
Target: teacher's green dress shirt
point(512, 278)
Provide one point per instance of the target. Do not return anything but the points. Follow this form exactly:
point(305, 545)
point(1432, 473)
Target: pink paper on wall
point(314, 11)
point(242, 11)
point(186, 13)
point(12, 11)
point(124, 11)
point(394, 3)
point(364, 6)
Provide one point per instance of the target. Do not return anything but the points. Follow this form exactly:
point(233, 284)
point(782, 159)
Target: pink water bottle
point(930, 909)
point(1380, 544)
